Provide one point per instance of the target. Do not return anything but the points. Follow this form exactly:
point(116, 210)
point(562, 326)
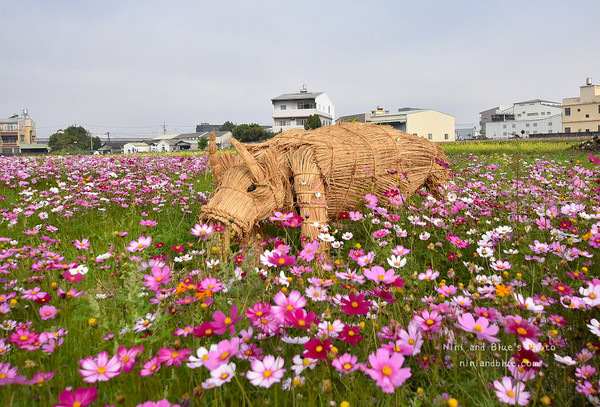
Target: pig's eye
point(251, 188)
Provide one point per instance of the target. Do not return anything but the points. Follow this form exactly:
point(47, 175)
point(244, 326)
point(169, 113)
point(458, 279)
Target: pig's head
point(250, 188)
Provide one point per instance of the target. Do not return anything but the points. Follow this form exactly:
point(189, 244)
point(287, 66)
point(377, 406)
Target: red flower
point(344, 215)
point(315, 349)
point(300, 318)
point(350, 334)
point(205, 329)
point(355, 305)
point(178, 248)
point(158, 245)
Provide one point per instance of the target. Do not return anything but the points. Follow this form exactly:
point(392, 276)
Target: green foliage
point(352, 120)
point(202, 143)
point(227, 126)
point(73, 138)
point(249, 133)
point(313, 122)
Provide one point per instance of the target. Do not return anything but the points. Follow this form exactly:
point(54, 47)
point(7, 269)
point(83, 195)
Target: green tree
point(227, 126)
point(202, 143)
point(313, 122)
point(73, 138)
point(249, 133)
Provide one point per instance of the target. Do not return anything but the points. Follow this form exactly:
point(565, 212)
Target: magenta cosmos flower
point(355, 305)
point(100, 369)
point(173, 357)
point(266, 372)
point(160, 403)
point(481, 327)
point(81, 397)
point(159, 276)
point(386, 370)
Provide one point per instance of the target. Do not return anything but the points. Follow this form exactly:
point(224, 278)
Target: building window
point(598, 108)
point(446, 137)
point(587, 116)
point(430, 136)
point(550, 124)
point(301, 122)
point(534, 124)
point(567, 129)
point(527, 125)
point(514, 126)
point(504, 126)
point(567, 111)
point(306, 105)
point(283, 107)
point(22, 138)
point(519, 115)
point(504, 133)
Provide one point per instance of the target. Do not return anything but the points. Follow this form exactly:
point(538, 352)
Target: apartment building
point(582, 114)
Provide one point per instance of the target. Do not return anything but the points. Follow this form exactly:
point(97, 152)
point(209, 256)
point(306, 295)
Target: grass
point(101, 200)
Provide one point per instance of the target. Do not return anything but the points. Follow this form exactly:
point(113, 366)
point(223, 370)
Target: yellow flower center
point(159, 279)
point(354, 304)
point(347, 366)
point(510, 394)
point(411, 341)
point(227, 321)
point(24, 337)
point(386, 370)
point(174, 355)
point(521, 331)
point(224, 355)
point(478, 328)
point(281, 261)
point(224, 376)
point(429, 322)
point(101, 369)
point(267, 373)
point(319, 348)
point(125, 359)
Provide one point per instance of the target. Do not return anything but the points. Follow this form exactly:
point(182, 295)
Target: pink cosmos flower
point(149, 223)
point(221, 354)
point(212, 284)
point(40, 377)
point(346, 363)
point(386, 370)
point(285, 304)
point(509, 393)
point(500, 265)
point(160, 403)
point(81, 244)
point(222, 323)
point(140, 244)
point(150, 367)
point(429, 321)
point(127, 356)
point(160, 276)
point(173, 357)
point(481, 327)
point(99, 369)
point(310, 250)
point(266, 372)
point(47, 312)
point(8, 375)
point(278, 216)
point(203, 232)
point(300, 318)
point(380, 275)
point(81, 397)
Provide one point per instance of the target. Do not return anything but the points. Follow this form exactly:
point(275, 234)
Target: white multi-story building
point(524, 119)
point(291, 110)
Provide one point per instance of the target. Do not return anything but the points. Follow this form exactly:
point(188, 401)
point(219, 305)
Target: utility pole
point(109, 144)
point(164, 129)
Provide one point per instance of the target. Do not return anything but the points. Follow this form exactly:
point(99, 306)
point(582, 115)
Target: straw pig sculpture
point(318, 174)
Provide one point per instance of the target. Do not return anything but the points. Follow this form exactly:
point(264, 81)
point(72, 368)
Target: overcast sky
point(127, 67)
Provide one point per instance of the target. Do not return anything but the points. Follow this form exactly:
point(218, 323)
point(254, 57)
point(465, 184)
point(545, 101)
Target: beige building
point(16, 132)
point(582, 114)
point(427, 123)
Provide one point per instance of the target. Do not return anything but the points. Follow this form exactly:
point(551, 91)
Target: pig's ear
point(219, 163)
point(257, 173)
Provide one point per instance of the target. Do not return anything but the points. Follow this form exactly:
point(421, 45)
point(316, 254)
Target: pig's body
point(320, 173)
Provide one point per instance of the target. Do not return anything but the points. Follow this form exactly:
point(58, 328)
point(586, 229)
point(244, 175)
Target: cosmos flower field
point(113, 293)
